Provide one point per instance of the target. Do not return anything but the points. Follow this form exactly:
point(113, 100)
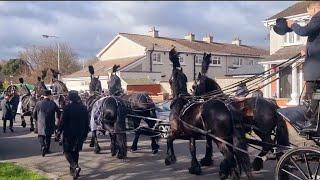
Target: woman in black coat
point(7, 113)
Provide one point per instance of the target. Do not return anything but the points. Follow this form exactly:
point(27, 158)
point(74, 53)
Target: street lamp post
point(50, 36)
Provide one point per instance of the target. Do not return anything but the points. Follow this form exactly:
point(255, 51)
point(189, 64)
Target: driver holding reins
point(312, 55)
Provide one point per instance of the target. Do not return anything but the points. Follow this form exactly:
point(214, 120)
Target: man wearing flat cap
point(74, 126)
point(45, 115)
point(312, 54)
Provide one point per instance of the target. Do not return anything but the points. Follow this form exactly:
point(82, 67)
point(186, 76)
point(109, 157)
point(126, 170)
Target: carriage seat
point(296, 117)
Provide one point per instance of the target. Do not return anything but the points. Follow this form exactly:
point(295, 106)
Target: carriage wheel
point(301, 163)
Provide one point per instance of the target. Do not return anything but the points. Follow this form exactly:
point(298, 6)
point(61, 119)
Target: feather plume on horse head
point(21, 80)
point(174, 58)
point(115, 68)
point(39, 78)
point(91, 69)
point(54, 73)
point(44, 74)
point(205, 63)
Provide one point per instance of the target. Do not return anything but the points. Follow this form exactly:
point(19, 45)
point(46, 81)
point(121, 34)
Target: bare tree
point(46, 57)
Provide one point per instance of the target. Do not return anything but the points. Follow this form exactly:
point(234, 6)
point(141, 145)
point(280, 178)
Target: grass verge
point(15, 172)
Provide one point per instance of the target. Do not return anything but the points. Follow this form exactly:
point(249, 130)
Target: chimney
point(189, 37)
point(236, 41)
point(208, 39)
point(153, 32)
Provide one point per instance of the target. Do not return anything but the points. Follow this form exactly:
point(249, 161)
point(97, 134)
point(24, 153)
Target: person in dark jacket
point(44, 114)
point(74, 126)
point(7, 113)
point(258, 92)
point(312, 56)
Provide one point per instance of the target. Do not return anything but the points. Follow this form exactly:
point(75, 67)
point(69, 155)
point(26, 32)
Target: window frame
point(156, 58)
point(239, 61)
point(217, 59)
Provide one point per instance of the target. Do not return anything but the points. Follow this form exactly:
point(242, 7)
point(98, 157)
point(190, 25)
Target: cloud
point(89, 26)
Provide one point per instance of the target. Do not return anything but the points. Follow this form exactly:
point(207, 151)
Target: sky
point(88, 26)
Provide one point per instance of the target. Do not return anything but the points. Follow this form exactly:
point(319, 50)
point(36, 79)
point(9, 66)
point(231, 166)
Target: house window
point(237, 62)
point(199, 60)
point(291, 38)
point(156, 58)
point(84, 83)
point(251, 62)
point(215, 60)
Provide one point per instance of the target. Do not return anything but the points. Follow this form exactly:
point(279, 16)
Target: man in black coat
point(45, 114)
point(242, 90)
point(74, 126)
point(312, 59)
point(7, 113)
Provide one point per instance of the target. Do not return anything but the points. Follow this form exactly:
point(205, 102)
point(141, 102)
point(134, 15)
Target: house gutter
point(150, 58)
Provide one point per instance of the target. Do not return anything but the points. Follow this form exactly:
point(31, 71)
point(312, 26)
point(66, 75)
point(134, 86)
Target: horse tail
point(282, 134)
point(239, 141)
point(243, 159)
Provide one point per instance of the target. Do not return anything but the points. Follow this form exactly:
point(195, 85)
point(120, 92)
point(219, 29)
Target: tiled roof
point(138, 81)
point(160, 43)
point(101, 68)
point(246, 70)
point(182, 45)
point(295, 9)
point(233, 49)
point(285, 53)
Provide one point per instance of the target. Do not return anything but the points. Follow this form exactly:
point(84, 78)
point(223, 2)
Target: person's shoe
point(11, 129)
point(72, 171)
point(76, 173)
point(43, 149)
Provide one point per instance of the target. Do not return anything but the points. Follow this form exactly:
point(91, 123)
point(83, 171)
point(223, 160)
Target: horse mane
point(205, 63)
point(54, 73)
point(174, 58)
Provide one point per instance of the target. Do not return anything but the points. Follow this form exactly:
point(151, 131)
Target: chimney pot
point(190, 37)
point(236, 41)
point(153, 32)
point(208, 38)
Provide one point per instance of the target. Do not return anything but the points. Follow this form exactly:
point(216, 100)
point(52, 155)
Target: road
point(23, 148)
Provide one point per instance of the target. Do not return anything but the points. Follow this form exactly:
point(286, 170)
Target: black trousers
point(45, 141)
point(73, 158)
point(311, 87)
point(5, 124)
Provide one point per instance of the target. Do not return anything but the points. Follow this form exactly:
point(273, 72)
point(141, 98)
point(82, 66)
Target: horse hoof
point(206, 162)
point(97, 149)
point(257, 164)
point(31, 129)
point(170, 160)
point(133, 149)
point(195, 170)
point(91, 145)
point(23, 124)
point(155, 151)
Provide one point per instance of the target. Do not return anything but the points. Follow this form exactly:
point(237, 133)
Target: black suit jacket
point(312, 59)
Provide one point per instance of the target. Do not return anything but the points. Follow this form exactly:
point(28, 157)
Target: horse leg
point(171, 158)
point(31, 124)
point(195, 166)
point(23, 121)
point(207, 160)
point(96, 144)
point(228, 164)
point(257, 163)
point(154, 140)
point(121, 141)
point(113, 145)
point(136, 124)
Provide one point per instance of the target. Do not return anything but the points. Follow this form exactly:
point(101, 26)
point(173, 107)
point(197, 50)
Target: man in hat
point(242, 90)
point(312, 56)
point(74, 125)
point(7, 113)
point(45, 113)
point(114, 85)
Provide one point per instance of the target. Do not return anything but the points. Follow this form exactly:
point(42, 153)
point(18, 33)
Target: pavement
point(22, 147)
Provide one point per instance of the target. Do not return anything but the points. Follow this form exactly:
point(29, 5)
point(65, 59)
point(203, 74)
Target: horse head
point(178, 80)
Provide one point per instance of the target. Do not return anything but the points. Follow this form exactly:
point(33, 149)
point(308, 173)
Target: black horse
point(137, 104)
point(212, 116)
point(259, 114)
point(111, 114)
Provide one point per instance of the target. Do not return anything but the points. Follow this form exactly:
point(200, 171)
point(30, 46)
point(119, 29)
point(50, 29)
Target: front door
point(285, 82)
